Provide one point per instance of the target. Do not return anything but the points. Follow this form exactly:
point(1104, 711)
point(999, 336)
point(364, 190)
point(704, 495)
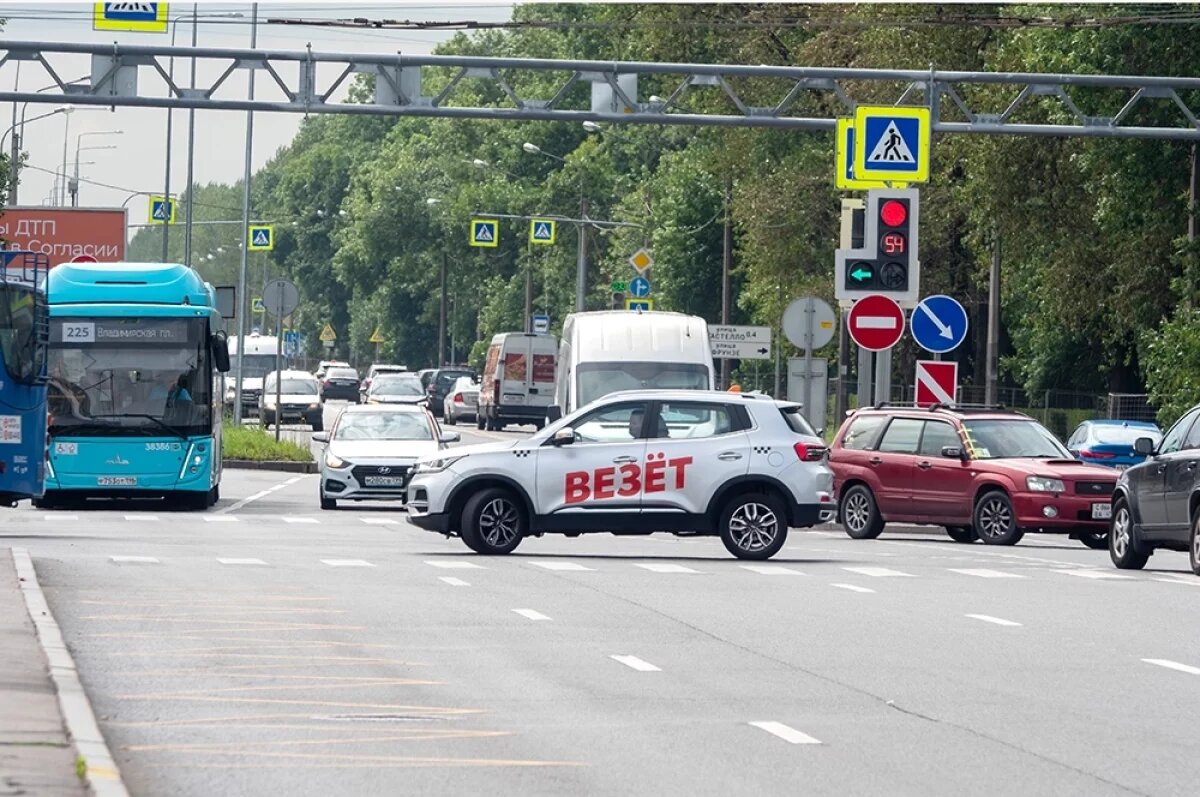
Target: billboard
point(65, 233)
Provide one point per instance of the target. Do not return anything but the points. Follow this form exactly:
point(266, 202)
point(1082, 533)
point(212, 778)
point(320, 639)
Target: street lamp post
point(241, 292)
point(73, 187)
point(581, 254)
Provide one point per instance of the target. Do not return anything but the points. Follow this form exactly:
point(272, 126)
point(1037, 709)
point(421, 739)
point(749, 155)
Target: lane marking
point(772, 570)
point(1097, 574)
point(573, 566)
point(1191, 582)
point(531, 614)
point(454, 582)
point(151, 518)
point(452, 565)
point(878, 572)
point(655, 568)
point(131, 560)
point(786, 732)
point(260, 494)
point(983, 572)
point(987, 618)
point(1174, 665)
point(53, 516)
point(347, 563)
point(299, 519)
point(852, 587)
point(220, 518)
point(633, 662)
point(379, 521)
point(241, 561)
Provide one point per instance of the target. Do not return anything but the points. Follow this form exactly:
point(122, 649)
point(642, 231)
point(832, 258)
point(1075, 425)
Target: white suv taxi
point(741, 466)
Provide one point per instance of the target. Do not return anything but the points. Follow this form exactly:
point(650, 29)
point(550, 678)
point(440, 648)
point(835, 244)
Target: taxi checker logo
point(603, 483)
point(117, 461)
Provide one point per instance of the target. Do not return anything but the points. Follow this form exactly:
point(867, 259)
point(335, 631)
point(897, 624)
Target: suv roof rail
point(968, 407)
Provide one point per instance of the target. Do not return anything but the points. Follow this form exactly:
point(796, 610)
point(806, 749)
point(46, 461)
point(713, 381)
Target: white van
point(518, 380)
point(611, 350)
point(258, 359)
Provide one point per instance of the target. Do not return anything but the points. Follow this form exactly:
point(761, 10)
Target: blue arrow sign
point(939, 324)
point(639, 287)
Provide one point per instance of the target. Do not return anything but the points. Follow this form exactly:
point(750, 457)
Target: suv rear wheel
point(995, 520)
point(860, 515)
point(1124, 551)
point(753, 526)
point(493, 522)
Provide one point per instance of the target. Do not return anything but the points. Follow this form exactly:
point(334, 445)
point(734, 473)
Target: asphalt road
point(267, 647)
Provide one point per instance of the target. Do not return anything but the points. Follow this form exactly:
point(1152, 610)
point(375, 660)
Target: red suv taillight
point(1096, 454)
point(808, 452)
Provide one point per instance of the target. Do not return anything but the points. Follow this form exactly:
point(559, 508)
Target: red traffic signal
point(893, 213)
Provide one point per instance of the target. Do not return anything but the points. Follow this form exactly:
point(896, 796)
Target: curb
point(279, 465)
point(102, 775)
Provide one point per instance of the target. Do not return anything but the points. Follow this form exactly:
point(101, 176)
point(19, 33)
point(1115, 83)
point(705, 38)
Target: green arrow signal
point(860, 274)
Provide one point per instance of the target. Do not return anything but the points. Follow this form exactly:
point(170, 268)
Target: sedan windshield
point(294, 387)
point(1003, 439)
point(383, 426)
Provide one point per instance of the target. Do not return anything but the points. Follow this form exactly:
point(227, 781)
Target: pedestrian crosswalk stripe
point(572, 566)
point(877, 572)
point(130, 560)
point(664, 568)
point(241, 561)
point(772, 570)
point(346, 563)
point(56, 516)
point(983, 572)
point(142, 517)
point(852, 587)
point(1096, 574)
point(454, 582)
point(378, 521)
point(220, 519)
point(298, 519)
point(450, 565)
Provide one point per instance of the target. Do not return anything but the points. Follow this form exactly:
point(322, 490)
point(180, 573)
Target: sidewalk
point(36, 756)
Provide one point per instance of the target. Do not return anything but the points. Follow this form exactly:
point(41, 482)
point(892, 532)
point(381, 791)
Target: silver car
point(462, 401)
point(370, 449)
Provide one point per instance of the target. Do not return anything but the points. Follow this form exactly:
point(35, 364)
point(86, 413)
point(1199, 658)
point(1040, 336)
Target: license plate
point(116, 481)
point(1101, 511)
point(383, 481)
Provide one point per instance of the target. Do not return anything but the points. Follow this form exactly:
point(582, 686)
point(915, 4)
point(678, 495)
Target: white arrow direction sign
point(943, 330)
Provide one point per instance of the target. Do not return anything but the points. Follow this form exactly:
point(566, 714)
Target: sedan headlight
point(436, 465)
point(335, 462)
point(1044, 484)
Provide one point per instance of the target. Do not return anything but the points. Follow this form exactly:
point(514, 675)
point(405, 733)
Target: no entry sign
point(876, 322)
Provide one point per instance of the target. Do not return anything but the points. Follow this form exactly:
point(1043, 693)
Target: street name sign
point(892, 143)
point(875, 322)
point(937, 382)
point(739, 342)
point(938, 324)
point(485, 232)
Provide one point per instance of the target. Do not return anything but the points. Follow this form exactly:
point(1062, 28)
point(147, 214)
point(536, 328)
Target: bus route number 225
point(78, 332)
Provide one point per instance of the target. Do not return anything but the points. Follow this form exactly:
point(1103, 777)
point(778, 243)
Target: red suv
point(986, 474)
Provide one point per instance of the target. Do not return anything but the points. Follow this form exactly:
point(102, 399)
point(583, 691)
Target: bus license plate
point(117, 481)
point(383, 481)
point(1101, 511)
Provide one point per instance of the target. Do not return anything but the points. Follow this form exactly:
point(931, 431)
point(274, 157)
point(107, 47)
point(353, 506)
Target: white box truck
point(610, 350)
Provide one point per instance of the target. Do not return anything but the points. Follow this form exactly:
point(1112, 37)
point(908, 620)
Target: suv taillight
point(808, 452)
point(458, 398)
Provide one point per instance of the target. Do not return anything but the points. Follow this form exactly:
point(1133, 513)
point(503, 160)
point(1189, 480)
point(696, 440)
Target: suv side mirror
point(1143, 446)
point(563, 437)
point(952, 452)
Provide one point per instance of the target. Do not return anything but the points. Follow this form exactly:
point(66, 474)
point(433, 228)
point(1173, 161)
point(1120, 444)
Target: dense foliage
point(1093, 232)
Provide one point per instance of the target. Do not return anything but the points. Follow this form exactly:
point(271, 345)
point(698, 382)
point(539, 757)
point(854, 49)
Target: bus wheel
point(214, 495)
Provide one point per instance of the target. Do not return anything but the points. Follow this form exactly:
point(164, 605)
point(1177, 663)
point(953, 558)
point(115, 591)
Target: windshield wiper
point(162, 424)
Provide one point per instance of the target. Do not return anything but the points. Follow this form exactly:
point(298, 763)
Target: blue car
point(1110, 442)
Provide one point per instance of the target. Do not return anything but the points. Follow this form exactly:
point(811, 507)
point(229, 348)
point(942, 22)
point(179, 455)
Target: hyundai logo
point(384, 470)
point(117, 461)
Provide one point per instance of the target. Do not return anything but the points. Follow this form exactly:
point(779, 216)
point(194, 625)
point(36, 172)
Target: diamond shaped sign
point(641, 260)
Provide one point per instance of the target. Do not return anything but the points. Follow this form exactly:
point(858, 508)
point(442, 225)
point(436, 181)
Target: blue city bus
point(136, 361)
point(24, 337)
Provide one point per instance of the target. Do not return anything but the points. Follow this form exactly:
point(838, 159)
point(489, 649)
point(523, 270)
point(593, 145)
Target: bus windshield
point(130, 377)
point(23, 356)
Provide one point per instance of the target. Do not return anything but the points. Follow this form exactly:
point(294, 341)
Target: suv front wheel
point(995, 519)
point(1123, 549)
point(860, 515)
point(493, 522)
point(754, 526)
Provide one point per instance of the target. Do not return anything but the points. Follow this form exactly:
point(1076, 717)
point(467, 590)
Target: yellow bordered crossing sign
point(485, 232)
point(644, 303)
point(542, 231)
point(162, 209)
point(261, 237)
point(844, 160)
point(136, 17)
point(892, 143)
point(376, 336)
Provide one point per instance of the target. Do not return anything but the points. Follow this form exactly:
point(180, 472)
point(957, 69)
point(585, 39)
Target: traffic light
point(887, 261)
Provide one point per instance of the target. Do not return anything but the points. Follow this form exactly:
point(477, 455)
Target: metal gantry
point(306, 81)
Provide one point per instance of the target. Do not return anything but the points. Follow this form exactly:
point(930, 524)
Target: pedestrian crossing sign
point(892, 143)
point(844, 151)
point(257, 305)
point(485, 232)
point(376, 336)
point(645, 304)
point(541, 231)
point(262, 238)
point(162, 209)
point(137, 17)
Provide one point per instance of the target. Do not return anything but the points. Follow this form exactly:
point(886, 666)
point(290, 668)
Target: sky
point(135, 160)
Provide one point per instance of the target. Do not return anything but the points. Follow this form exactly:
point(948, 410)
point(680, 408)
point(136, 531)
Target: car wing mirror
point(219, 345)
point(953, 452)
point(1144, 446)
point(320, 437)
point(563, 437)
point(450, 437)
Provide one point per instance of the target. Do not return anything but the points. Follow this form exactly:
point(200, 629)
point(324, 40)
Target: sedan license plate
point(116, 481)
point(383, 481)
point(1101, 511)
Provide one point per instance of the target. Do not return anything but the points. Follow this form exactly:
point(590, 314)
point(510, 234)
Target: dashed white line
point(568, 566)
point(346, 563)
point(451, 565)
point(786, 732)
point(298, 519)
point(878, 572)
point(772, 570)
point(149, 518)
point(1096, 574)
point(55, 516)
point(531, 614)
point(656, 568)
point(241, 561)
point(379, 521)
point(987, 618)
point(983, 572)
point(1174, 665)
point(454, 582)
point(852, 587)
point(220, 518)
point(633, 662)
point(260, 494)
point(1191, 582)
point(134, 560)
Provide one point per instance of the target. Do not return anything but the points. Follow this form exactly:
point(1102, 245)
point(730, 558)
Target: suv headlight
point(314, 406)
point(335, 462)
point(1044, 484)
point(436, 465)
